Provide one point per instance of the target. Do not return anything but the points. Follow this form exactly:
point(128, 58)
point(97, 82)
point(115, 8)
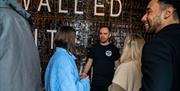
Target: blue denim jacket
point(62, 74)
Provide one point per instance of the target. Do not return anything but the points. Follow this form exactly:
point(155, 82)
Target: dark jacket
point(161, 61)
point(19, 58)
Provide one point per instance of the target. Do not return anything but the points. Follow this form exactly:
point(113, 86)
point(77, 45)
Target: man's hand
point(83, 75)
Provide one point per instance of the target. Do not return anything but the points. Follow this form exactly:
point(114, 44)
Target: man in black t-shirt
point(103, 57)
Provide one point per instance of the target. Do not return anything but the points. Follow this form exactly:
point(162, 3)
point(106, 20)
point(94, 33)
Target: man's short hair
point(174, 3)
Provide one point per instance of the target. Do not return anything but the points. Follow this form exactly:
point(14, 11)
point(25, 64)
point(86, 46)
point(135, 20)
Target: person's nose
point(144, 18)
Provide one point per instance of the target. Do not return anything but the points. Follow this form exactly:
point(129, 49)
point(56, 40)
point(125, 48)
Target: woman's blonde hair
point(132, 49)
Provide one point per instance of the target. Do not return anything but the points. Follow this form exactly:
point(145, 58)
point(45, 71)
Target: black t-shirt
point(103, 62)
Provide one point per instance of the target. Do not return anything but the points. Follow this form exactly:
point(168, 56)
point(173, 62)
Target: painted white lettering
point(75, 10)
point(60, 7)
point(52, 36)
point(44, 4)
point(35, 36)
point(26, 4)
point(95, 8)
point(120, 8)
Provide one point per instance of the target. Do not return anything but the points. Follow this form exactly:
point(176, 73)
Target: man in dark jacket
point(161, 56)
point(19, 59)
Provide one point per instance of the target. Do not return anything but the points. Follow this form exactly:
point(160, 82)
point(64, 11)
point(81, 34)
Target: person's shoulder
point(94, 46)
point(125, 69)
point(157, 46)
point(5, 12)
point(61, 54)
point(61, 59)
point(128, 67)
point(125, 66)
point(156, 42)
point(113, 46)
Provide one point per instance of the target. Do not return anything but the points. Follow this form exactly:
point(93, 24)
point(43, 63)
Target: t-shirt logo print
point(108, 53)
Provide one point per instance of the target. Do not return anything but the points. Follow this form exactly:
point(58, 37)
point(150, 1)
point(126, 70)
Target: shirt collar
point(59, 49)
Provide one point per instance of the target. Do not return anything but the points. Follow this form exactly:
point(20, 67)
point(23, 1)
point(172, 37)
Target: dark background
point(86, 25)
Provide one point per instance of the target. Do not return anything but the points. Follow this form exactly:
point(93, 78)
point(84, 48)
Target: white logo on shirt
point(108, 53)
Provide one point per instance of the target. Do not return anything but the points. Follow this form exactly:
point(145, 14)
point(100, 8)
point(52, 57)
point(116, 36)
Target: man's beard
point(104, 41)
point(153, 27)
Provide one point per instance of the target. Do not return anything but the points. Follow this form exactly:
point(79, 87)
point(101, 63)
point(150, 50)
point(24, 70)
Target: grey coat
point(19, 58)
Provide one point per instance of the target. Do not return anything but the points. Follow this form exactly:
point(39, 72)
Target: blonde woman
point(128, 74)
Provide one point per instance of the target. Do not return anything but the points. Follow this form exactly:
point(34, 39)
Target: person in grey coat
point(19, 57)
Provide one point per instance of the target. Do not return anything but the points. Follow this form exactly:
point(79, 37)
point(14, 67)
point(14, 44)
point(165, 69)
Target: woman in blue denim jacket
point(61, 73)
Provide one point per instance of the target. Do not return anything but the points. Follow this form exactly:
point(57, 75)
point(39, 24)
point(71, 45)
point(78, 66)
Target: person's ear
point(168, 12)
